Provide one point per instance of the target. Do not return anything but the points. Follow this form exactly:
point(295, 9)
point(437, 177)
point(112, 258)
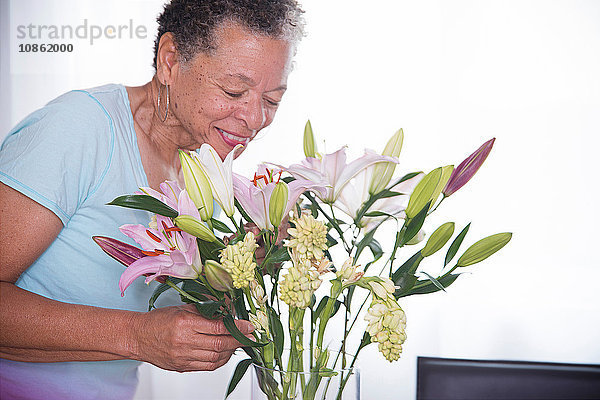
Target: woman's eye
point(234, 95)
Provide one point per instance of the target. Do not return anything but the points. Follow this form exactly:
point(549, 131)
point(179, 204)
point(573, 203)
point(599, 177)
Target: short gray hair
point(193, 22)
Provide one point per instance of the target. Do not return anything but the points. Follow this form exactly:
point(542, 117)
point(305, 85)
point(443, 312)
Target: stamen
point(173, 229)
point(156, 252)
point(165, 229)
point(153, 236)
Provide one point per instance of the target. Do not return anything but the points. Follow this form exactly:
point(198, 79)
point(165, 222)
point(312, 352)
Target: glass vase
point(334, 384)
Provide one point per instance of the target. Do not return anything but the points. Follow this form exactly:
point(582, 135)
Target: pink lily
point(170, 193)
point(356, 193)
point(465, 171)
point(334, 170)
point(169, 250)
point(255, 195)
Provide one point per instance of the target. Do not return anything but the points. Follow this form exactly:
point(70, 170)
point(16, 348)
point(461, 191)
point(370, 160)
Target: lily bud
point(124, 253)
point(466, 169)
point(310, 149)
point(197, 185)
point(278, 203)
point(194, 227)
point(217, 277)
point(382, 172)
point(483, 249)
point(438, 239)
point(446, 173)
point(423, 192)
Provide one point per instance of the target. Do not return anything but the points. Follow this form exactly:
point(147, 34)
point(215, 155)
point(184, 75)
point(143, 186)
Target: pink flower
point(465, 171)
point(168, 250)
point(334, 170)
point(255, 195)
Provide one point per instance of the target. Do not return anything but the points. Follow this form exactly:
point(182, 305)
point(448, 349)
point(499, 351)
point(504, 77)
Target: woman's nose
point(252, 112)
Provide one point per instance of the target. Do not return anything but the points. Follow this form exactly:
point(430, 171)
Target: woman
point(221, 71)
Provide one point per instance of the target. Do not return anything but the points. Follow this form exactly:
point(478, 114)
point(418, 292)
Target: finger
point(217, 327)
point(204, 365)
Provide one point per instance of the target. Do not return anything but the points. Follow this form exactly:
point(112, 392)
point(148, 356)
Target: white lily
point(356, 193)
point(219, 174)
point(333, 169)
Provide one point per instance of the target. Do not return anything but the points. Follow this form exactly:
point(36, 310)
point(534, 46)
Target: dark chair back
point(445, 379)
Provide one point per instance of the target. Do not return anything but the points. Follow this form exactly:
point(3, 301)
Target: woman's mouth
point(233, 140)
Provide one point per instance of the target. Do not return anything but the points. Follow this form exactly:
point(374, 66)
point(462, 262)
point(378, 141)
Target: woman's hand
point(178, 338)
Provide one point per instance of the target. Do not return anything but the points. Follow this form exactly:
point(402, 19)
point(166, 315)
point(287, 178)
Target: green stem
point(182, 292)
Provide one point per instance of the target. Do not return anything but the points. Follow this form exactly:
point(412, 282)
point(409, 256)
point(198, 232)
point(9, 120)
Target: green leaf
point(404, 178)
point(406, 281)
point(190, 285)
point(220, 226)
point(240, 304)
point(319, 309)
point(239, 336)
point(483, 249)
point(375, 249)
point(409, 266)
point(331, 240)
point(456, 244)
point(242, 211)
point(160, 289)
point(434, 281)
point(414, 224)
point(238, 374)
point(277, 257)
point(144, 202)
point(365, 241)
point(276, 328)
point(208, 308)
point(366, 340)
point(428, 287)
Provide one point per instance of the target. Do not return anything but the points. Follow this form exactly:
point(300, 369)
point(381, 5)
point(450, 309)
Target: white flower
point(300, 282)
point(308, 238)
point(219, 174)
point(386, 326)
point(238, 260)
point(260, 321)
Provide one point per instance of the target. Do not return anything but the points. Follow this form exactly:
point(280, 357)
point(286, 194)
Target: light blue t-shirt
point(73, 156)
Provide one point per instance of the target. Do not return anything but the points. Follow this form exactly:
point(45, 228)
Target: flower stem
point(182, 292)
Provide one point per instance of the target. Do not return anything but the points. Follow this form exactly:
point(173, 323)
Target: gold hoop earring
point(158, 104)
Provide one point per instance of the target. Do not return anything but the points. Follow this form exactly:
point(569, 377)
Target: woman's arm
point(38, 329)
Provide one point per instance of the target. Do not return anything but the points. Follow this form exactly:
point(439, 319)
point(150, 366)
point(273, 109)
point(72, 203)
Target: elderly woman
point(221, 71)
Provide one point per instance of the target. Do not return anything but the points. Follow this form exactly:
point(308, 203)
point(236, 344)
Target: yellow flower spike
point(197, 185)
point(308, 238)
point(238, 261)
point(438, 239)
point(383, 172)
point(278, 203)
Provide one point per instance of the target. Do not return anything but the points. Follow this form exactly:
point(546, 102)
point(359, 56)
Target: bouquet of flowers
point(317, 223)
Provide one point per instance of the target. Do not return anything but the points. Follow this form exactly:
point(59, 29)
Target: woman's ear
point(166, 59)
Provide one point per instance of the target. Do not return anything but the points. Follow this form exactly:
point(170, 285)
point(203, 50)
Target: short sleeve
point(59, 155)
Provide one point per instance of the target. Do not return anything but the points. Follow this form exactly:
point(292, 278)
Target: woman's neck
point(158, 149)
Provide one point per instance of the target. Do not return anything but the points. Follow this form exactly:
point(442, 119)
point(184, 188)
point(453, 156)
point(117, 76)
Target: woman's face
point(227, 97)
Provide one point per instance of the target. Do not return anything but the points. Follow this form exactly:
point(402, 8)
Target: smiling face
point(226, 97)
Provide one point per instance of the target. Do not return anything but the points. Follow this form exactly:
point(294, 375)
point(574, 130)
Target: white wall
point(452, 74)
